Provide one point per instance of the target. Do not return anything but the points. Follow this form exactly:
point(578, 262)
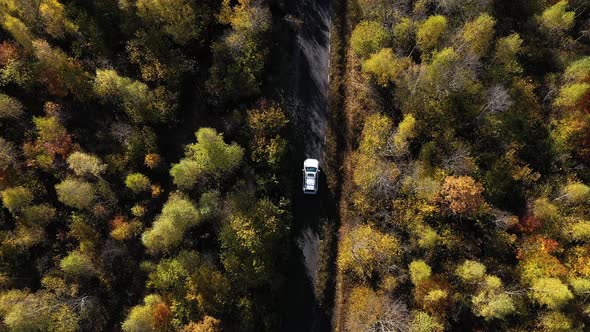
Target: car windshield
point(310, 169)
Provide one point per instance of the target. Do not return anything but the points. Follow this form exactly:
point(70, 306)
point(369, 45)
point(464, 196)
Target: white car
point(311, 174)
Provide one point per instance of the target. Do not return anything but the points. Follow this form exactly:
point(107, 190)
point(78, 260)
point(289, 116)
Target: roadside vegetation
point(466, 194)
point(142, 166)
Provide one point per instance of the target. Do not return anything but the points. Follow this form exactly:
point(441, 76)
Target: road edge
point(337, 147)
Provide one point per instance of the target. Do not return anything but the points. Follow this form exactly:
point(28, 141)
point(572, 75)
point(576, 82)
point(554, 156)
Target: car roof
point(311, 163)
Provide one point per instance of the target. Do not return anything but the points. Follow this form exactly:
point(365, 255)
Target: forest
point(151, 151)
point(142, 158)
point(465, 198)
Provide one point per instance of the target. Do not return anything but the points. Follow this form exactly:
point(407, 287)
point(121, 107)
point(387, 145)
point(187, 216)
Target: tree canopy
point(210, 155)
point(177, 216)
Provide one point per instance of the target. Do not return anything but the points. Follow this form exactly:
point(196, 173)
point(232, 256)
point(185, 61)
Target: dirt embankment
point(336, 142)
point(347, 110)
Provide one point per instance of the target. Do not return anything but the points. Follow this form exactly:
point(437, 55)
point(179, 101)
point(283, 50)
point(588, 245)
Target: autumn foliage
point(461, 195)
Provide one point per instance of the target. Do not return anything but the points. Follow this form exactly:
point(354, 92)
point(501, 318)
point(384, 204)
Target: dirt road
point(311, 91)
point(314, 41)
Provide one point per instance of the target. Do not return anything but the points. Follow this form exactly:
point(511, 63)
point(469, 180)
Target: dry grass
point(352, 99)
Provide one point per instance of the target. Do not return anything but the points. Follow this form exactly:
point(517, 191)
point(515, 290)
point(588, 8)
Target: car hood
point(311, 163)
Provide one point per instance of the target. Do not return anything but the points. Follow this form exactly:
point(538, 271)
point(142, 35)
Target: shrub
point(153, 315)
point(555, 321)
point(209, 156)
point(77, 264)
point(16, 198)
point(430, 31)
point(471, 271)
point(137, 182)
point(419, 271)
point(10, 107)
point(384, 66)
point(556, 17)
point(178, 215)
point(369, 311)
point(423, 322)
point(551, 292)
point(365, 251)
point(367, 38)
point(75, 193)
point(462, 195)
point(86, 164)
